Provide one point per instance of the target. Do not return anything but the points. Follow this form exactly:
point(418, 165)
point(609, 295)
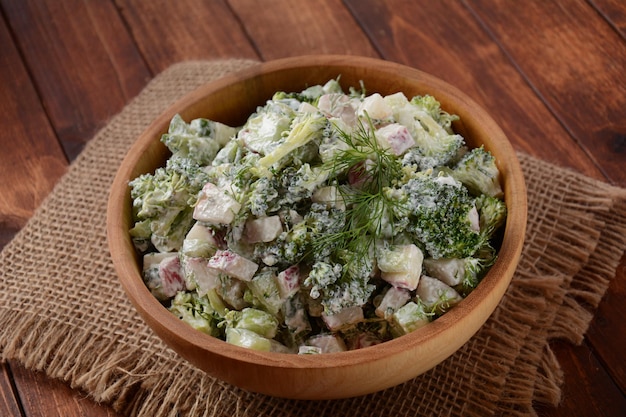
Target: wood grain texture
point(44, 397)
point(614, 12)
point(67, 66)
point(589, 396)
point(92, 68)
point(9, 405)
point(283, 28)
point(579, 74)
point(32, 160)
point(167, 32)
point(449, 43)
point(588, 100)
point(606, 330)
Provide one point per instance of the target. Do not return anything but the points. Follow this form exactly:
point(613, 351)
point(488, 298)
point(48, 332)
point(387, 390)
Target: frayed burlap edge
point(546, 300)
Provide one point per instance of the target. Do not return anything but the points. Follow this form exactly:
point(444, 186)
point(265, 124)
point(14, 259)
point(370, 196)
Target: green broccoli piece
point(262, 323)
point(441, 216)
point(299, 184)
point(196, 311)
point(162, 203)
point(477, 170)
point(430, 127)
point(337, 290)
point(492, 214)
point(296, 243)
point(321, 276)
point(263, 197)
point(310, 94)
point(324, 222)
point(304, 128)
point(200, 140)
point(287, 249)
point(431, 106)
point(264, 130)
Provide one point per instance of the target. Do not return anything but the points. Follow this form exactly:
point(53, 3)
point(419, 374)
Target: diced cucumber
point(408, 318)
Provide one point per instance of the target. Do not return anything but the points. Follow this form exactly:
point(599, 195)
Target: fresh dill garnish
point(365, 170)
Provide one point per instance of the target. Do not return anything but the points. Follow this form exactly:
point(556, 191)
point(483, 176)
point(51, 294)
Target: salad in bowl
point(331, 220)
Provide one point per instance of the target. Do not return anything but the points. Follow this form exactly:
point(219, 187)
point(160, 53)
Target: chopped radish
point(288, 281)
point(345, 317)
point(395, 137)
point(215, 206)
point(264, 229)
point(393, 299)
point(234, 265)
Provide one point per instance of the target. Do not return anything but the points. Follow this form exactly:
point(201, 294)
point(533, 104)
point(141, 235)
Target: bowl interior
point(231, 100)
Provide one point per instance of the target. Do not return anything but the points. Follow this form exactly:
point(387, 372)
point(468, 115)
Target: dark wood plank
point(61, 400)
point(9, 405)
point(579, 74)
point(606, 332)
point(29, 166)
point(447, 42)
point(78, 51)
point(282, 28)
point(83, 69)
point(614, 12)
point(31, 160)
point(444, 39)
point(169, 32)
point(83, 62)
point(589, 396)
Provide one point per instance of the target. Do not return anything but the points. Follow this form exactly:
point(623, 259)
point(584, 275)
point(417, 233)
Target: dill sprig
point(369, 210)
point(364, 158)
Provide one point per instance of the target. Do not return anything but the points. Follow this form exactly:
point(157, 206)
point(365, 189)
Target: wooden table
point(552, 73)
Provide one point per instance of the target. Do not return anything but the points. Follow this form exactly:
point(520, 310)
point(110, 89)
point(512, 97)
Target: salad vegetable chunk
point(329, 221)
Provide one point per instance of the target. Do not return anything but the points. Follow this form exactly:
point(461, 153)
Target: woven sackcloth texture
point(63, 312)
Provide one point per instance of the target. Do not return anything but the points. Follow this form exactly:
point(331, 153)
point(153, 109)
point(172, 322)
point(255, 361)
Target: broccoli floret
point(441, 213)
point(288, 249)
point(301, 183)
point(263, 197)
point(295, 244)
point(431, 106)
point(196, 311)
point(328, 283)
point(477, 170)
point(310, 94)
point(345, 294)
point(492, 214)
point(322, 221)
point(322, 276)
point(430, 127)
point(264, 130)
point(340, 285)
point(163, 203)
point(200, 140)
point(436, 142)
point(304, 128)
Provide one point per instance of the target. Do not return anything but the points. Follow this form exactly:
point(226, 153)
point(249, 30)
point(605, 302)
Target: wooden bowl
point(334, 375)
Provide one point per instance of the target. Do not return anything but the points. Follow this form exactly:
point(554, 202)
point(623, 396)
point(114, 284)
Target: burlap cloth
point(63, 312)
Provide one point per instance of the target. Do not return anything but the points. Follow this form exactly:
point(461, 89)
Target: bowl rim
point(492, 287)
